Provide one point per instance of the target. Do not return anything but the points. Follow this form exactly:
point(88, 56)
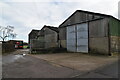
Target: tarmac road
point(21, 65)
point(108, 71)
point(25, 66)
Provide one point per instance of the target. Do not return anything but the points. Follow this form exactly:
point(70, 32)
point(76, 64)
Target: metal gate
point(82, 37)
point(77, 38)
point(71, 39)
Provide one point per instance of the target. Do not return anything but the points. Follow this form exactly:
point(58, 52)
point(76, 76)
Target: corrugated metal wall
point(36, 44)
point(71, 38)
point(77, 38)
point(80, 17)
point(115, 35)
point(62, 37)
point(82, 37)
point(114, 27)
point(48, 40)
point(98, 28)
point(51, 38)
point(32, 35)
point(99, 31)
point(98, 36)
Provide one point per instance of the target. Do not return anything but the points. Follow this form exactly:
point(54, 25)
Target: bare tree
point(7, 32)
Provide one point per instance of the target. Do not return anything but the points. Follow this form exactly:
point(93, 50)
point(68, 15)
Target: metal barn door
point(71, 38)
point(82, 37)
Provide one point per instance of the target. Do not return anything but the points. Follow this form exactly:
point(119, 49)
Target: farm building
point(32, 35)
point(47, 38)
point(50, 36)
point(88, 32)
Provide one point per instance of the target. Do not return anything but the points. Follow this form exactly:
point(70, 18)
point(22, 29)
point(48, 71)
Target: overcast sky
point(26, 15)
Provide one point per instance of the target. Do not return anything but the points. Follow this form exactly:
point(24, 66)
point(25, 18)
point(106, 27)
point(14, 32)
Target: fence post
point(0, 60)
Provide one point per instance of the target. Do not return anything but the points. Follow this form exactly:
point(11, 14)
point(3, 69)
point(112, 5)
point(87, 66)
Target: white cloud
point(26, 15)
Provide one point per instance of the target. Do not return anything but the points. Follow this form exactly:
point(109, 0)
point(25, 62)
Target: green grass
point(25, 47)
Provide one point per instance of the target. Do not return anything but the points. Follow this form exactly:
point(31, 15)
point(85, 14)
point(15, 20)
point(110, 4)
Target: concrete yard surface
point(78, 61)
point(20, 64)
point(17, 65)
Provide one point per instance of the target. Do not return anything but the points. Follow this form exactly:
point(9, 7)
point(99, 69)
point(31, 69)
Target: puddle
point(12, 58)
point(17, 57)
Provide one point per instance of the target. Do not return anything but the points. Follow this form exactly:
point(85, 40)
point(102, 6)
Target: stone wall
point(7, 47)
point(115, 44)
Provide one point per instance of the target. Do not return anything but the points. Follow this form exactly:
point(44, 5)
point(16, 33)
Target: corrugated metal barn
point(50, 36)
point(46, 38)
point(32, 35)
point(92, 32)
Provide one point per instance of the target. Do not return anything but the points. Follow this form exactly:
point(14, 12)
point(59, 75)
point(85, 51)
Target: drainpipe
point(76, 36)
point(109, 39)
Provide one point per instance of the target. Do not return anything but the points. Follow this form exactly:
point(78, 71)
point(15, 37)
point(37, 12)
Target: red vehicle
point(19, 44)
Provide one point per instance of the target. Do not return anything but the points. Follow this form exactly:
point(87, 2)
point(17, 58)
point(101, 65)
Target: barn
point(90, 32)
point(32, 35)
point(50, 36)
point(46, 38)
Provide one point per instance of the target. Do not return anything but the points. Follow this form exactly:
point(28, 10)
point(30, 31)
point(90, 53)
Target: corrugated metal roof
point(52, 28)
point(105, 15)
point(34, 31)
point(41, 32)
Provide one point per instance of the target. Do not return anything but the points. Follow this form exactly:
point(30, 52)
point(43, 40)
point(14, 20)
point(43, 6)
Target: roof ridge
point(89, 12)
point(52, 28)
point(94, 13)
